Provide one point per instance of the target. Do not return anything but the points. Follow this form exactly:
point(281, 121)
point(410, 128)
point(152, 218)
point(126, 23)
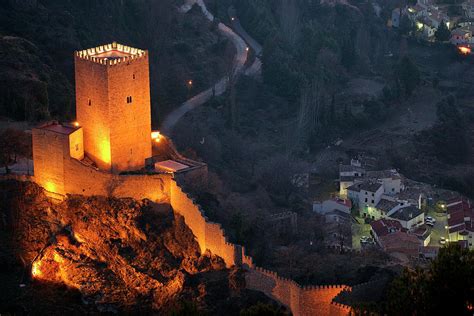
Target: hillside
point(38, 38)
point(100, 254)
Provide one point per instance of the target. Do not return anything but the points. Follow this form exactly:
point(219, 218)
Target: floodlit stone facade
point(113, 105)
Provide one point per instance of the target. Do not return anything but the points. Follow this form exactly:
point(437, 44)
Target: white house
point(348, 174)
point(369, 196)
point(391, 180)
point(409, 217)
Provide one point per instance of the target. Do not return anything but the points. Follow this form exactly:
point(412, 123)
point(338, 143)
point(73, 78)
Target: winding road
point(220, 86)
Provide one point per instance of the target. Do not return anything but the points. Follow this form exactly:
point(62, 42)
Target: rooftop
point(355, 187)
point(407, 213)
point(370, 186)
point(460, 216)
point(383, 227)
point(400, 242)
point(386, 205)
point(170, 166)
point(383, 174)
point(59, 128)
point(350, 168)
point(339, 213)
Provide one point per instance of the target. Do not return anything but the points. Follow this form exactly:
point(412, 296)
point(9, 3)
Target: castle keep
point(113, 105)
point(112, 136)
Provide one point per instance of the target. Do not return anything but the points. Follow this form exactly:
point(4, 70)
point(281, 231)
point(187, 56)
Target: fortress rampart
point(105, 151)
point(80, 178)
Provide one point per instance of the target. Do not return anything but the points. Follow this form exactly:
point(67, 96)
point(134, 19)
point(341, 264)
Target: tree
point(442, 34)
point(445, 288)
point(407, 75)
point(406, 25)
point(289, 18)
point(13, 145)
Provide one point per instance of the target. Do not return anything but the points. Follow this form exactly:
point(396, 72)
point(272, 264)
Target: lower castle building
point(111, 151)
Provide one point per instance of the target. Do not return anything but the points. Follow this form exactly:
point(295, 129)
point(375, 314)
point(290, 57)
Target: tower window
point(129, 99)
point(89, 102)
point(133, 76)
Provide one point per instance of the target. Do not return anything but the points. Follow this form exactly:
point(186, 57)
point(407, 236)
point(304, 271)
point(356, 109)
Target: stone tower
point(113, 105)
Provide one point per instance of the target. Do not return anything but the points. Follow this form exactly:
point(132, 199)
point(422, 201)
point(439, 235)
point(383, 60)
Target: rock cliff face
point(107, 255)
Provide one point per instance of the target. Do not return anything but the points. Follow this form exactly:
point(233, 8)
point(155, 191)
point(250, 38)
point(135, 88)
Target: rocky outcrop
point(119, 254)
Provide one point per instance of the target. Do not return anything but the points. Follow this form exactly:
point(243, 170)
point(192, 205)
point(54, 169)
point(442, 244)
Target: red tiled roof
point(383, 227)
point(458, 228)
point(457, 217)
point(400, 242)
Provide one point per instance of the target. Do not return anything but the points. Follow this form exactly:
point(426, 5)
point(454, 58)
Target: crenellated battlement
point(111, 54)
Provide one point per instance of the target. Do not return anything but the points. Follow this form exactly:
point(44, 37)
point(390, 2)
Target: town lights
point(156, 136)
point(246, 48)
point(190, 82)
point(35, 269)
point(465, 50)
point(76, 124)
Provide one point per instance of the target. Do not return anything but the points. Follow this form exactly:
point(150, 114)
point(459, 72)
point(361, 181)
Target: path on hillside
point(220, 86)
point(256, 66)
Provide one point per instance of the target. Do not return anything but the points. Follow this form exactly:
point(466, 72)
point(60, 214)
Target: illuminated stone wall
point(85, 180)
point(116, 129)
point(48, 159)
point(130, 123)
point(310, 300)
point(92, 110)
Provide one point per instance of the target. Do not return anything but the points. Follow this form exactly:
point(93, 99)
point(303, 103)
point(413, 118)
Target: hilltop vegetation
point(38, 38)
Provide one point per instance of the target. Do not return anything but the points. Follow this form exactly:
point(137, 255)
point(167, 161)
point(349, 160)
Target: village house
point(409, 217)
point(384, 227)
point(343, 205)
point(337, 216)
point(423, 234)
point(369, 196)
point(460, 36)
point(392, 237)
point(386, 206)
point(348, 174)
point(461, 222)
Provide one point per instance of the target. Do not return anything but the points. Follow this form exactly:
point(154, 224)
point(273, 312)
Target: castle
point(111, 150)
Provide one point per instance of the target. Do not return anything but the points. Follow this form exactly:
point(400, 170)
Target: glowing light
point(465, 50)
point(232, 18)
point(35, 269)
point(76, 124)
point(419, 25)
point(105, 151)
point(246, 48)
point(50, 186)
point(156, 136)
point(190, 82)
